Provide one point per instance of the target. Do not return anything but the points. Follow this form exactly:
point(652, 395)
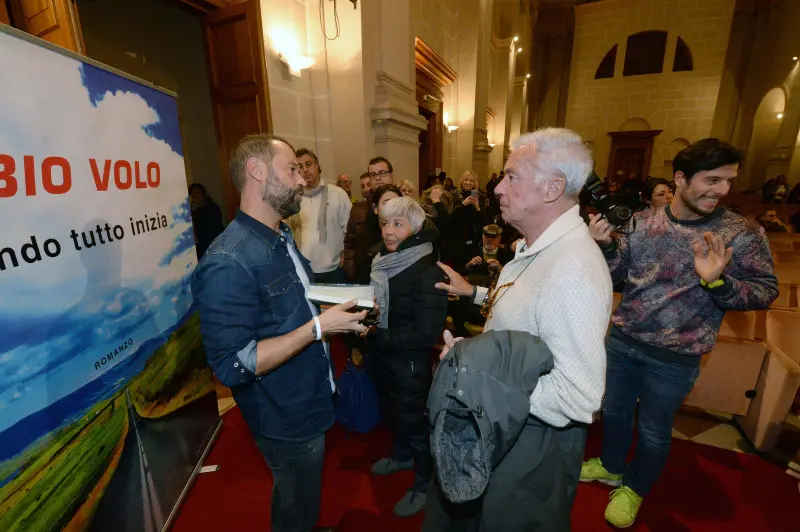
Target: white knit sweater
point(562, 293)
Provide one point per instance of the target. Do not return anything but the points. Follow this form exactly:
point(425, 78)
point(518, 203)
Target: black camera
point(616, 208)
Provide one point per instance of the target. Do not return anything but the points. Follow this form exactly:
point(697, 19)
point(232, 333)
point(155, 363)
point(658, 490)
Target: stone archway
point(635, 123)
point(766, 127)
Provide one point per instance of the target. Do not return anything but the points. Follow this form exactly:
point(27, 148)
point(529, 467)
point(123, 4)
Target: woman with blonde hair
point(406, 187)
point(465, 227)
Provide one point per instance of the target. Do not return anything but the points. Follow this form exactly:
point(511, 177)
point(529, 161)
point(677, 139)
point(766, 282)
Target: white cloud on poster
point(46, 111)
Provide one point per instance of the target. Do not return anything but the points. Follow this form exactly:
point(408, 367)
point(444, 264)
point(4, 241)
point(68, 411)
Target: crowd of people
point(517, 256)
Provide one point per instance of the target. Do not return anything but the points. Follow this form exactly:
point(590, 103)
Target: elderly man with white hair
point(557, 288)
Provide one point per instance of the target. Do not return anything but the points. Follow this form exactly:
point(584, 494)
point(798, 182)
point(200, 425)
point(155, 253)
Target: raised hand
point(458, 285)
point(709, 263)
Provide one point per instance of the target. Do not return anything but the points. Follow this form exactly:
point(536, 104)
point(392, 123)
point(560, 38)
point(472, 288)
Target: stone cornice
point(432, 64)
point(394, 82)
point(500, 44)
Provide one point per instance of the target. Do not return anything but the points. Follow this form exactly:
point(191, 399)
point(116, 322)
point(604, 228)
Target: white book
point(335, 294)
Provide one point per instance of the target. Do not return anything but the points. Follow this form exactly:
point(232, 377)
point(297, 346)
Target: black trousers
point(403, 388)
point(532, 489)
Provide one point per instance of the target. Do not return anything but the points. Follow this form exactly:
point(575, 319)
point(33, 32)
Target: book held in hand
point(336, 294)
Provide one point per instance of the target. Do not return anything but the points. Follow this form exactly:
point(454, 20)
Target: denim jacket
point(247, 289)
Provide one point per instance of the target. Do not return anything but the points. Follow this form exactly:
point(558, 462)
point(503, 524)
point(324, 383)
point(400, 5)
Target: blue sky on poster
point(66, 313)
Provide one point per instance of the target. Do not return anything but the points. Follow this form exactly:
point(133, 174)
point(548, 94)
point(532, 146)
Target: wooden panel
point(238, 79)
point(432, 64)
point(55, 21)
point(208, 5)
point(4, 18)
point(728, 376)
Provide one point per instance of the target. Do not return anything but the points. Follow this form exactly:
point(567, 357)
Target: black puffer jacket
point(400, 356)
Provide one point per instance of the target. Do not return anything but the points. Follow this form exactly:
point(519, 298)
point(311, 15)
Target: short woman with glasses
point(412, 317)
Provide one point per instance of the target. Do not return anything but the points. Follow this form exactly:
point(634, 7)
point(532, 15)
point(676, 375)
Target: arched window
point(606, 68)
point(645, 53)
point(683, 57)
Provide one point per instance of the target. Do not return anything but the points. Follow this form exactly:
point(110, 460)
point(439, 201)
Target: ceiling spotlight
point(519, 49)
point(779, 115)
point(516, 38)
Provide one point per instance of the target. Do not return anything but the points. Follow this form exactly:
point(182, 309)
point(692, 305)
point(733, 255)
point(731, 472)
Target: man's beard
point(284, 199)
point(694, 204)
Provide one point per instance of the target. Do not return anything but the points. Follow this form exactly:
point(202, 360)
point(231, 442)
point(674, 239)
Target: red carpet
point(702, 489)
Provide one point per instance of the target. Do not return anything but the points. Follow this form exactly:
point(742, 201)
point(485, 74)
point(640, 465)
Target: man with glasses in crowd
point(344, 182)
point(362, 228)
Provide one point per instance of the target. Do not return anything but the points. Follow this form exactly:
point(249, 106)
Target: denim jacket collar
point(269, 235)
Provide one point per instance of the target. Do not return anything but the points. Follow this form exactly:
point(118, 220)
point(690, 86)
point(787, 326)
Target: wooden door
point(431, 139)
point(432, 75)
point(55, 21)
point(4, 19)
point(238, 81)
point(630, 155)
point(431, 142)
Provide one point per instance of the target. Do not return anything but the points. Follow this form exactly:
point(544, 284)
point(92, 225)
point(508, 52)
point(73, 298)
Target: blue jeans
point(660, 387)
point(297, 472)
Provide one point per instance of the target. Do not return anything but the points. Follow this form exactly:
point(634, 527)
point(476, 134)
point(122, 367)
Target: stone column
point(480, 145)
point(498, 98)
point(516, 105)
point(512, 58)
point(462, 109)
point(389, 84)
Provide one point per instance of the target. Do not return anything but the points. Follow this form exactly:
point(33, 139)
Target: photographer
point(481, 270)
point(463, 231)
point(683, 267)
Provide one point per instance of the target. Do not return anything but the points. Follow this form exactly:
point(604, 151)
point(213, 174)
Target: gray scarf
point(322, 217)
point(384, 267)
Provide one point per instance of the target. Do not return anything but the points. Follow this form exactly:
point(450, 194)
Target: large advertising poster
point(106, 403)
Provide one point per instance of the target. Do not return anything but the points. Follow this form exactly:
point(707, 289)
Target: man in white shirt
point(320, 225)
point(557, 288)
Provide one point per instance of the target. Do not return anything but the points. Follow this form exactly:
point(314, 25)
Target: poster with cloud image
point(106, 402)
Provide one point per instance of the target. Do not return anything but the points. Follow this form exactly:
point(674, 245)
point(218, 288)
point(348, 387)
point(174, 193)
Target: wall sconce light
point(779, 115)
point(286, 44)
point(794, 58)
point(296, 63)
point(519, 49)
point(451, 128)
point(516, 38)
point(527, 76)
point(491, 144)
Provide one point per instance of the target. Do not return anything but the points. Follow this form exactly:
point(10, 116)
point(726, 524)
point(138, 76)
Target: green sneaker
point(623, 506)
point(592, 470)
